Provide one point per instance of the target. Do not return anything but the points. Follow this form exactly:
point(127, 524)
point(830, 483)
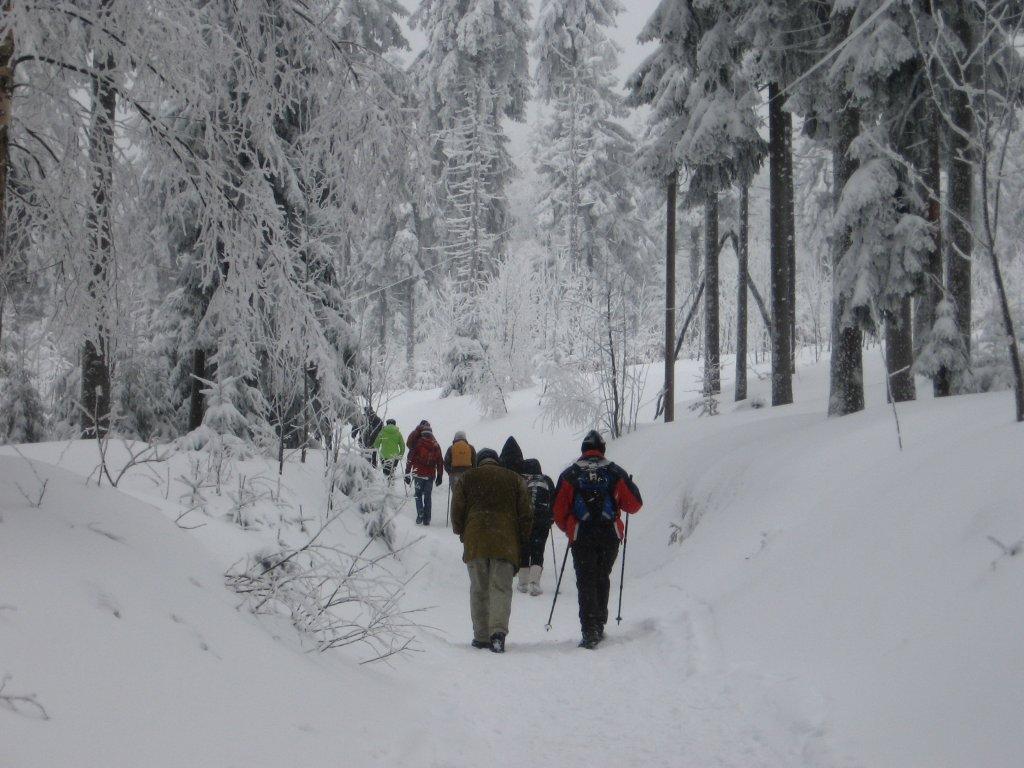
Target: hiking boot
point(481, 643)
point(535, 589)
point(590, 642)
point(524, 580)
point(497, 643)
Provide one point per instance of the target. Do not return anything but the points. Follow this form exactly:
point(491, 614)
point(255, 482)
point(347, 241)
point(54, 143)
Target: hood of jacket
point(511, 455)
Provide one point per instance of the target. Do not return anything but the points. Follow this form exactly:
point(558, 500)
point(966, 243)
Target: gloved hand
point(408, 479)
point(438, 482)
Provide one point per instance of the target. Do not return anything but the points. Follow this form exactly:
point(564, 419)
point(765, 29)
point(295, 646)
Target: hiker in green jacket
point(390, 446)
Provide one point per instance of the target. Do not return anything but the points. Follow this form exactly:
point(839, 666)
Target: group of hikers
point(502, 509)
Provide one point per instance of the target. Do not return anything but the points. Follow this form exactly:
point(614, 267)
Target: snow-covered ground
point(828, 601)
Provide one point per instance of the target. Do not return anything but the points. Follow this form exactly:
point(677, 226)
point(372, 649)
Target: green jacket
point(491, 513)
point(389, 443)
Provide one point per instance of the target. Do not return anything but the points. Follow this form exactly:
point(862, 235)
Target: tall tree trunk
point(383, 329)
point(670, 296)
point(899, 353)
point(712, 355)
point(742, 275)
point(780, 127)
point(789, 214)
point(410, 329)
point(961, 197)
point(931, 177)
point(95, 395)
point(696, 262)
point(196, 400)
point(846, 384)
point(6, 106)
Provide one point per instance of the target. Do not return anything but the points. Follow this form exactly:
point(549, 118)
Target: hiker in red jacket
point(423, 468)
point(589, 500)
point(410, 441)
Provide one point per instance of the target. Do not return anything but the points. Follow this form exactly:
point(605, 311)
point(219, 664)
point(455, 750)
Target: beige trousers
point(490, 596)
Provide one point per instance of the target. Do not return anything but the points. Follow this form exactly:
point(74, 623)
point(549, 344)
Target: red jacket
point(625, 496)
point(425, 458)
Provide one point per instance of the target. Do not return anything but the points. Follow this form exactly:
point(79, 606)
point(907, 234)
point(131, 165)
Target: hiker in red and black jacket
point(423, 468)
point(589, 500)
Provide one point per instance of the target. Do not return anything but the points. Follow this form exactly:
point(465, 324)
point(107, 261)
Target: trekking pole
point(558, 585)
point(554, 555)
point(448, 512)
point(622, 575)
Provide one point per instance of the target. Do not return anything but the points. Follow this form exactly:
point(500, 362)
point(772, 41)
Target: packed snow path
point(654, 693)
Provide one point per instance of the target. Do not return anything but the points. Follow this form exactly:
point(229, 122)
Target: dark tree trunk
point(670, 296)
point(789, 212)
point(961, 200)
point(712, 356)
point(931, 176)
point(95, 395)
point(780, 127)
point(383, 330)
point(6, 96)
point(305, 412)
point(899, 354)
point(410, 329)
point(846, 385)
point(742, 274)
point(196, 401)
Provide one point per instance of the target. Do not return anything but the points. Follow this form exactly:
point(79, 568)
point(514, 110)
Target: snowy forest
point(253, 220)
point(771, 250)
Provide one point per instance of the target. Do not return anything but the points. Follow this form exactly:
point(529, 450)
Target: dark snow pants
point(424, 489)
point(533, 552)
point(593, 556)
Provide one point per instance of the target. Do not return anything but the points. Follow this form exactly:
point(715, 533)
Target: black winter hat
point(391, 421)
point(485, 454)
point(593, 442)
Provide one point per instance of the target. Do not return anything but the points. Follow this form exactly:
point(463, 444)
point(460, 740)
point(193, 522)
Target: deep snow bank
point(119, 623)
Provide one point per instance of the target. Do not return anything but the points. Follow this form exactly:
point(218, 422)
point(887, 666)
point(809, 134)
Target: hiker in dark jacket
point(492, 516)
point(366, 431)
point(512, 455)
point(542, 494)
point(589, 500)
point(459, 458)
point(423, 469)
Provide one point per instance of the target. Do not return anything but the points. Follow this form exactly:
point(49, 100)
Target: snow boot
point(591, 638)
point(481, 643)
point(535, 571)
point(498, 643)
point(524, 579)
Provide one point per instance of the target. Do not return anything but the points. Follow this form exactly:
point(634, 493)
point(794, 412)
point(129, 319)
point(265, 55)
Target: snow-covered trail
point(836, 603)
point(656, 692)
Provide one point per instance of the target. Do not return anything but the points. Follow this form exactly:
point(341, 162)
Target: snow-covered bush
point(336, 597)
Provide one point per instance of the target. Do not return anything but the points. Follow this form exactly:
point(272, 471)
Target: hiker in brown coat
point(493, 517)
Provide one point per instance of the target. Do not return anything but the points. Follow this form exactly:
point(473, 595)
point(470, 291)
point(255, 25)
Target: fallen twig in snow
point(23, 704)
point(37, 500)
point(1007, 551)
